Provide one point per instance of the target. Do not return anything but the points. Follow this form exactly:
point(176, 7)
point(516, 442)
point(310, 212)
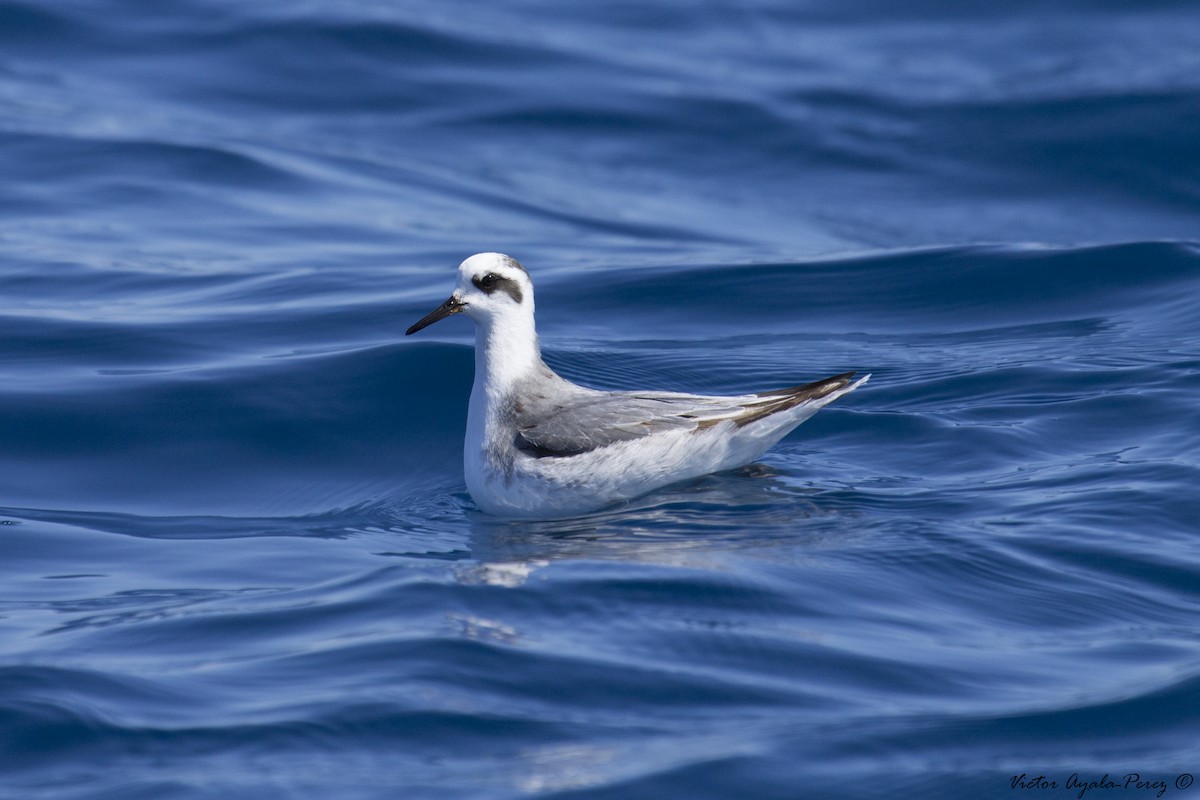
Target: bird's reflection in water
point(692, 525)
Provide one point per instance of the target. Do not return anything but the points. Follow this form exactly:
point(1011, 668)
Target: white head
point(493, 289)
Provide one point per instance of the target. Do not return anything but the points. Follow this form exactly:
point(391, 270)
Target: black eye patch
point(490, 283)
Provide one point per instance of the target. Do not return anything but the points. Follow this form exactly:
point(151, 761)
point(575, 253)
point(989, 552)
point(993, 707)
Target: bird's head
point(491, 287)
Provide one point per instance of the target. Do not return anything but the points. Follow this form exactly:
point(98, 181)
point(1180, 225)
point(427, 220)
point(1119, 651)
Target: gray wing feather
point(585, 420)
point(593, 421)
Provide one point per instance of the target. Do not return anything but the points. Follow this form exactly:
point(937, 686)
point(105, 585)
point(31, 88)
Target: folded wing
point(593, 420)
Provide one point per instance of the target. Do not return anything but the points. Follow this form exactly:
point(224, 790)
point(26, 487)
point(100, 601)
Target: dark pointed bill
point(451, 306)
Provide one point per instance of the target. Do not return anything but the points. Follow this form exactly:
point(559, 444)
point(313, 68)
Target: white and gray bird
point(541, 447)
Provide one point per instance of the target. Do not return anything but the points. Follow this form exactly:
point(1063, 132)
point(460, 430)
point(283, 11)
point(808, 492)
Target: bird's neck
point(506, 351)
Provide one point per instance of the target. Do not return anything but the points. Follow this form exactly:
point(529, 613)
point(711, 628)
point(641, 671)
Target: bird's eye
point(487, 282)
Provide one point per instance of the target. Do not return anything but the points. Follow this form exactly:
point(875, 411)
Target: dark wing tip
point(783, 399)
point(810, 391)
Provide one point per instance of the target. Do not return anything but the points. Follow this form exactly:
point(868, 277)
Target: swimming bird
point(539, 446)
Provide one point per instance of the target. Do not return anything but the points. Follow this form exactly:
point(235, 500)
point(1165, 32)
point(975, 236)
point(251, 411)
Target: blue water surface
point(238, 556)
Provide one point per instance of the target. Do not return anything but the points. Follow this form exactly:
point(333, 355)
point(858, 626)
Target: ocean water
point(237, 556)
